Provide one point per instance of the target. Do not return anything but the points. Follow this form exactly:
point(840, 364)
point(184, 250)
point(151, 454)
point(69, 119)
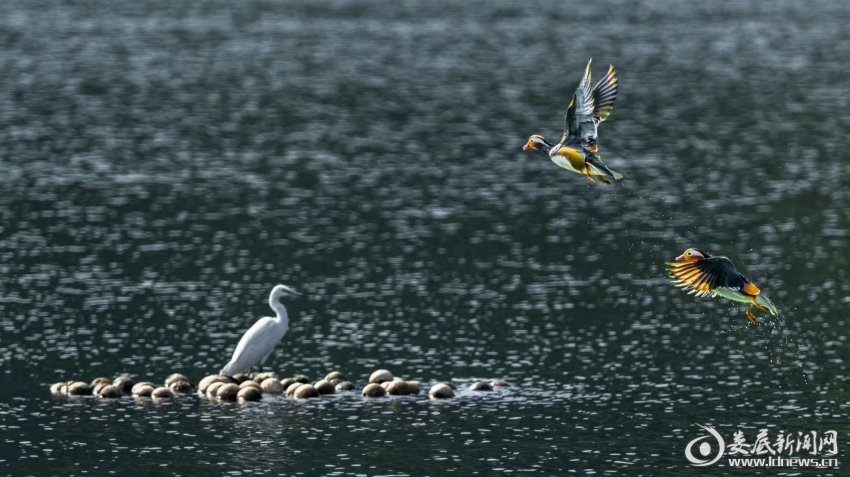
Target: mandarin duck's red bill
point(706, 275)
point(577, 150)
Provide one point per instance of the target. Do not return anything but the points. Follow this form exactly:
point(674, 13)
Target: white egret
point(259, 341)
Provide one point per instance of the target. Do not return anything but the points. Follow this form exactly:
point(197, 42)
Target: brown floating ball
point(181, 387)
point(124, 383)
point(324, 387)
point(59, 388)
point(449, 384)
point(480, 386)
point(227, 392)
point(214, 387)
point(96, 389)
point(240, 378)
point(345, 386)
point(249, 384)
point(271, 386)
point(110, 391)
point(290, 391)
point(174, 378)
point(306, 391)
point(205, 383)
point(398, 387)
point(143, 390)
point(373, 390)
point(96, 381)
point(380, 376)
point(162, 392)
point(286, 382)
point(441, 391)
point(335, 375)
point(414, 387)
point(300, 378)
point(499, 383)
point(260, 377)
point(78, 388)
point(250, 393)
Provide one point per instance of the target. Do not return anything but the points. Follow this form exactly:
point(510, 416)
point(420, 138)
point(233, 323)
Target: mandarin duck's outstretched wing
point(580, 111)
point(604, 95)
point(704, 276)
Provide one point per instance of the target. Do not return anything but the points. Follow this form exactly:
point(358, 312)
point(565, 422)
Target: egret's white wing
point(256, 343)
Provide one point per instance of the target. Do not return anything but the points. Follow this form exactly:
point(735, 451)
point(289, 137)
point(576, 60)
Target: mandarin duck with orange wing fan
point(577, 150)
point(706, 275)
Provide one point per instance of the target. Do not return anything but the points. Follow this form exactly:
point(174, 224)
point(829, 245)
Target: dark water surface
point(164, 164)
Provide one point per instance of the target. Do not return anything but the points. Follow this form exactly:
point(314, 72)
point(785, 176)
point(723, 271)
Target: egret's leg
point(263, 361)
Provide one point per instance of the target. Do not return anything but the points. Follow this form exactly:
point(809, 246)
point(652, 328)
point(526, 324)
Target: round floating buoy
point(101, 380)
point(286, 382)
point(380, 376)
point(450, 384)
point(205, 383)
point(441, 391)
point(398, 387)
point(499, 382)
point(306, 391)
point(182, 387)
point(162, 392)
point(78, 388)
point(249, 384)
point(110, 391)
point(143, 390)
point(212, 391)
point(271, 386)
point(290, 391)
point(335, 377)
point(59, 388)
point(250, 393)
point(345, 386)
point(415, 387)
point(96, 389)
point(480, 386)
point(300, 378)
point(174, 378)
point(373, 390)
point(260, 377)
point(324, 387)
point(227, 392)
point(124, 383)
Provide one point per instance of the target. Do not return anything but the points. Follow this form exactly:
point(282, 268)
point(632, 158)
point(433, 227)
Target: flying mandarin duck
point(706, 275)
point(577, 150)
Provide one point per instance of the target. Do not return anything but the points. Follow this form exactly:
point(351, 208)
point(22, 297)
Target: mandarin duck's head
point(693, 254)
point(537, 142)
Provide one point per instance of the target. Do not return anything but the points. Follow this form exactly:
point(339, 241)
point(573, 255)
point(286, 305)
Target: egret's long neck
point(280, 311)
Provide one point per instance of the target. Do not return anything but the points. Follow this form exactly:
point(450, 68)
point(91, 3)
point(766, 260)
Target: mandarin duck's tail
point(765, 302)
point(598, 168)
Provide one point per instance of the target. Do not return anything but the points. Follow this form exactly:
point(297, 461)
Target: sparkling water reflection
point(164, 163)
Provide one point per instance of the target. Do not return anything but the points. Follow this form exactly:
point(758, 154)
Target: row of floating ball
point(252, 388)
point(106, 388)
